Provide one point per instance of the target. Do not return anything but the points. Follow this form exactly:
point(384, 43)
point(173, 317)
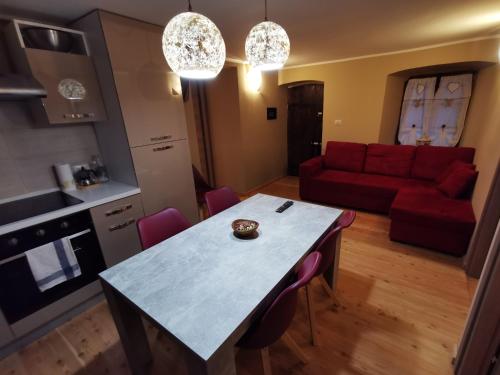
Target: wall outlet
point(337, 123)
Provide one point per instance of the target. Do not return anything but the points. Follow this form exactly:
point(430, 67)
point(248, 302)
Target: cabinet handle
point(161, 138)
point(121, 225)
point(118, 210)
point(162, 148)
point(79, 115)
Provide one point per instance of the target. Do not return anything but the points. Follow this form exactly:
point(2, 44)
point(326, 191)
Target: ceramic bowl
point(244, 227)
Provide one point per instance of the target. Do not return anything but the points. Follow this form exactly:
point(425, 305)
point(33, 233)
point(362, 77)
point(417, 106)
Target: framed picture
point(272, 113)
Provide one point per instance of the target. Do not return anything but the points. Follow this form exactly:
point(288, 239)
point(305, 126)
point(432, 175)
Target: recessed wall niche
point(394, 92)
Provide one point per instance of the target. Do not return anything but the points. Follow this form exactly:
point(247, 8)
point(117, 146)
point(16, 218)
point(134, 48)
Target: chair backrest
point(346, 219)
point(160, 226)
point(220, 199)
point(326, 248)
point(279, 315)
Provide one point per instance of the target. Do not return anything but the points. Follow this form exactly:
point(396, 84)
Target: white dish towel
point(53, 263)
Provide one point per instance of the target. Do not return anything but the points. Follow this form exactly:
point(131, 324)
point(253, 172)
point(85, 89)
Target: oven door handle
point(7, 260)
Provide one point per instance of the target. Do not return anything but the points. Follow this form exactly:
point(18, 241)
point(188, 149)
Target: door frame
point(478, 248)
point(481, 339)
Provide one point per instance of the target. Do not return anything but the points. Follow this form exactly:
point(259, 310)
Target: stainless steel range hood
point(20, 87)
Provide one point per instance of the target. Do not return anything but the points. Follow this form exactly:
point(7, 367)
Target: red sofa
point(426, 189)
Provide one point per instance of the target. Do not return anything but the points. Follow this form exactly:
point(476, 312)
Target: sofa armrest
point(310, 167)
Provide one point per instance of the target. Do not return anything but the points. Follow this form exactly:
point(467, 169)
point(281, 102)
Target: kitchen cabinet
point(52, 69)
point(70, 79)
point(165, 176)
point(149, 94)
point(116, 229)
point(146, 118)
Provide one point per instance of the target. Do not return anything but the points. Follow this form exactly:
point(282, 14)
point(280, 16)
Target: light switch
point(337, 123)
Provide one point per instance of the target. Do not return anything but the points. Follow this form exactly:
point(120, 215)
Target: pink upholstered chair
point(160, 226)
point(220, 199)
point(346, 219)
point(328, 249)
point(277, 318)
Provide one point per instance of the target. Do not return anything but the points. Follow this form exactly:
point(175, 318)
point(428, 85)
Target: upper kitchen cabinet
point(150, 95)
point(58, 59)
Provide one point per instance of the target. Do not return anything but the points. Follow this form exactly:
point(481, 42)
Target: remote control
point(285, 205)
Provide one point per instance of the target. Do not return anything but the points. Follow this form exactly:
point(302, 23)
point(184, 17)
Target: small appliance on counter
point(84, 176)
point(99, 169)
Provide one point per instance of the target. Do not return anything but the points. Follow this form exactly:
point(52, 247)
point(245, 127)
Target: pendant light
point(267, 45)
point(193, 46)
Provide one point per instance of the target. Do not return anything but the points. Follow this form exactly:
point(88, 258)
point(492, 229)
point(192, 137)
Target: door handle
point(122, 225)
point(162, 148)
point(316, 143)
point(119, 210)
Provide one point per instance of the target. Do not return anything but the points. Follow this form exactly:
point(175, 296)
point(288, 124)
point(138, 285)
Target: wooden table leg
point(220, 363)
point(131, 330)
point(332, 271)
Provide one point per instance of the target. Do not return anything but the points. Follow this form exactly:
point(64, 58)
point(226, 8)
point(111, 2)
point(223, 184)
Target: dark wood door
point(305, 124)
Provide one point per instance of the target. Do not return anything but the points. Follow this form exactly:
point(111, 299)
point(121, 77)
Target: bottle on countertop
point(97, 166)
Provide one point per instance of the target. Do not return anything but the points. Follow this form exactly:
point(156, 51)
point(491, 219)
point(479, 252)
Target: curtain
point(415, 110)
point(448, 110)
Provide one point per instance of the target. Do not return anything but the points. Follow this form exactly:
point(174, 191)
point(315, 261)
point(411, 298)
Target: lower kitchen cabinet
point(116, 229)
point(165, 176)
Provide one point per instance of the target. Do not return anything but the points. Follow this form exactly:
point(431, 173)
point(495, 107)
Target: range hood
point(20, 87)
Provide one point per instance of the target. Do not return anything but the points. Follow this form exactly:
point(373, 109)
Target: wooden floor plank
point(402, 310)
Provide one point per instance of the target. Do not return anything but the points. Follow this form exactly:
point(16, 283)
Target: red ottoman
point(425, 217)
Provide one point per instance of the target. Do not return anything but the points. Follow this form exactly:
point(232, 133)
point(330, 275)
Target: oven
point(19, 293)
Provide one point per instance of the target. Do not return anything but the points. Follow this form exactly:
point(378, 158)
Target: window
point(434, 109)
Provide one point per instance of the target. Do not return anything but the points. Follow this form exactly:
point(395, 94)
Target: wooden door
point(305, 124)
point(165, 178)
point(150, 95)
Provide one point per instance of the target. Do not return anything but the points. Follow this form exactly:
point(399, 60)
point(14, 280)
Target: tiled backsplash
point(28, 151)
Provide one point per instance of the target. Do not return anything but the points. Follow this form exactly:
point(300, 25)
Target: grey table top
point(201, 284)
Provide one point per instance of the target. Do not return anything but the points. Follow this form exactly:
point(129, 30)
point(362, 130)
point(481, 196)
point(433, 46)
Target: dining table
point(204, 287)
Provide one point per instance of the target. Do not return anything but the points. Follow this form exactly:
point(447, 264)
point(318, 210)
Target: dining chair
point(346, 219)
point(327, 247)
point(277, 318)
point(160, 226)
point(220, 199)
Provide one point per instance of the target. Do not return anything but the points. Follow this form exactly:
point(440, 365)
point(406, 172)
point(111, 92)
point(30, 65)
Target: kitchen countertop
point(92, 196)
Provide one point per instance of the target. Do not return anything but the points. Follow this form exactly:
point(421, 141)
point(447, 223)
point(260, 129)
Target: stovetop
point(28, 207)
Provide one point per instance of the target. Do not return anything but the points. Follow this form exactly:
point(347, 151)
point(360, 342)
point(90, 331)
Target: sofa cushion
point(429, 207)
point(426, 217)
point(431, 161)
point(345, 156)
point(458, 182)
point(451, 168)
point(389, 160)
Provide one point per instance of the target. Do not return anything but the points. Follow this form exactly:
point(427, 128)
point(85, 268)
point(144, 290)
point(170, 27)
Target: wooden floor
point(402, 310)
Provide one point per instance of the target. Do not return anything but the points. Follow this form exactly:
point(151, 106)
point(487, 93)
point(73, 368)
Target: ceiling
point(319, 30)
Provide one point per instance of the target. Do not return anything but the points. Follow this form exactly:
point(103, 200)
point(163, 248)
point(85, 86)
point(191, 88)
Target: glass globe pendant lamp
point(267, 46)
point(193, 46)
